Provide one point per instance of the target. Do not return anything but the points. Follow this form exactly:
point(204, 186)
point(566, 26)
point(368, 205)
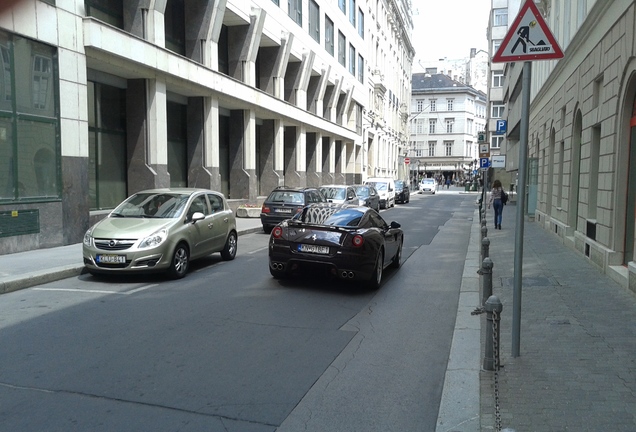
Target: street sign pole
point(521, 206)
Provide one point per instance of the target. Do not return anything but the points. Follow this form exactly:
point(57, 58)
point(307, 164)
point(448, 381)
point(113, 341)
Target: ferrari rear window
point(332, 216)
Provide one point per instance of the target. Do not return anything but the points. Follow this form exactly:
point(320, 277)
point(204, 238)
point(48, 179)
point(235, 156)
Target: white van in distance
point(386, 189)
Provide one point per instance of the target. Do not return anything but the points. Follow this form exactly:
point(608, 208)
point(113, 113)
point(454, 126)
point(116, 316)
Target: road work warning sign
point(528, 38)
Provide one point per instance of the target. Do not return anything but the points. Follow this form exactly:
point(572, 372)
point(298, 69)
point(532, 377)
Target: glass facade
point(29, 121)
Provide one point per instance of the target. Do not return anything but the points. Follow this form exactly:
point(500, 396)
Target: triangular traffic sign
point(528, 38)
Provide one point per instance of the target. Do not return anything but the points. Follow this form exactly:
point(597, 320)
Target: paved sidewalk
point(26, 269)
point(577, 365)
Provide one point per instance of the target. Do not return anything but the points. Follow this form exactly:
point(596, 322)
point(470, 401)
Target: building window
point(449, 104)
point(420, 126)
point(174, 24)
point(448, 148)
point(497, 110)
point(360, 68)
point(295, 10)
point(431, 126)
point(342, 50)
point(29, 121)
point(361, 23)
point(329, 42)
point(497, 78)
point(449, 125)
point(500, 17)
point(109, 11)
point(342, 4)
point(496, 141)
point(433, 103)
point(495, 45)
point(469, 126)
point(352, 60)
point(352, 12)
point(420, 105)
point(431, 148)
point(42, 79)
point(314, 20)
point(276, 2)
point(106, 145)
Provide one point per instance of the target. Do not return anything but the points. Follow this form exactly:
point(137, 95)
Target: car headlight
point(88, 237)
point(154, 240)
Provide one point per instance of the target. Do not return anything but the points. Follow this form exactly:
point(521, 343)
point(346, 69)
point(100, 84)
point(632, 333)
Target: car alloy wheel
point(397, 259)
point(180, 262)
point(376, 277)
point(229, 251)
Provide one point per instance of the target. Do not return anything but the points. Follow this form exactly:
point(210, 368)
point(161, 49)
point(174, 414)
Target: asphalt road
point(229, 348)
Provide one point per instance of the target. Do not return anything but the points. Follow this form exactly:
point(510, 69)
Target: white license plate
point(313, 249)
point(111, 259)
point(282, 210)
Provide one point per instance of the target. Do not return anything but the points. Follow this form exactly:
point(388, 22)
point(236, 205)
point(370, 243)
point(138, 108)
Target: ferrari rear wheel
point(376, 277)
point(397, 258)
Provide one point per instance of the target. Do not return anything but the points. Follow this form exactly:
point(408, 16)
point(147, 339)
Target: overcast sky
point(449, 28)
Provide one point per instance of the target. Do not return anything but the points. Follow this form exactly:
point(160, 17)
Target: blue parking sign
point(484, 163)
point(502, 126)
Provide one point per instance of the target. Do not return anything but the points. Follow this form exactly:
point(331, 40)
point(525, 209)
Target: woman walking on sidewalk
point(495, 199)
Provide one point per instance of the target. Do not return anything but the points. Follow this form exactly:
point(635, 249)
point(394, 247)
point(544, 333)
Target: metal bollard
point(485, 248)
point(486, 273)
point(493, 308)
point(484, 231)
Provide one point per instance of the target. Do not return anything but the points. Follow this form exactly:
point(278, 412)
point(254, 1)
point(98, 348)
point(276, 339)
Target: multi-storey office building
point(446, 116)
point(99, 99)
point(582, 154)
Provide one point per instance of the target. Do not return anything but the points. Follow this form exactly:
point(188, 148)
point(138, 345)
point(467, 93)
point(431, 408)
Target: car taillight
point(357, 240)
point(265, 209)
point(277, 232)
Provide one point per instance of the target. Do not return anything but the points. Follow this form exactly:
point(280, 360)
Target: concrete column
point(210, 43)
point(341, 162)
point(332, 102)
point(243, 49)
point(147, 139)
point(202, 141)
point(295, 156)
point(242, 155)
point(314, 158)
point(316, 92)
point(270, 176)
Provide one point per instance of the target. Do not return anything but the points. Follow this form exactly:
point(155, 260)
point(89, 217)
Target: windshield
point(379, 186)
point(152, 205)
point(362, 191)
point(428, 181)
point(333, 193)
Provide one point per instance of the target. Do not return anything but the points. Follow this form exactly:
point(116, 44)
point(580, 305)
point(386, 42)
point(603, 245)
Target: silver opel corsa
point(161, 230)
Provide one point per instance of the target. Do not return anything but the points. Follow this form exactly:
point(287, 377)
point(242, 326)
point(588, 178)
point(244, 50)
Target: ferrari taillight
point(357, 240)
point(277, 232)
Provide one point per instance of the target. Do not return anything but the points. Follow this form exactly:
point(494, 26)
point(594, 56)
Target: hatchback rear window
point(287, 197)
